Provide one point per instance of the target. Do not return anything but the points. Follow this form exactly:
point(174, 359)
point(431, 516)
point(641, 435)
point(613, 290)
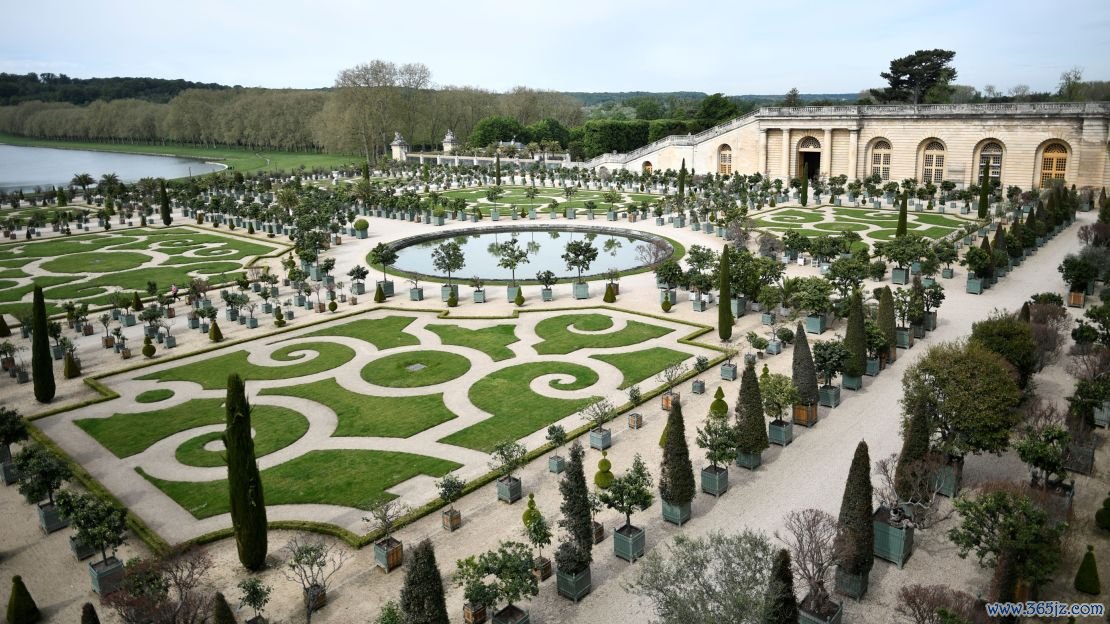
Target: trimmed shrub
point(453, 300)
point(519, 299)
point(214, 333)
point(858, 534)
point(1102, 516)
point(1086, 579)
point(221, 611)
point(604, 477)
point(70, 368)
point(422, 598)
point(379, 294)
point(42, 366)
point(21, 606)
point(5, 331)
point(609, 297)
point(666, 305)
point(148, 347)
point(332, 306)
point(248, 507)
point(676, 474)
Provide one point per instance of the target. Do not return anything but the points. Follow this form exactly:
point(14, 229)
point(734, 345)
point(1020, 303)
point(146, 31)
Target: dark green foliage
point(751, 432)
point(1011, 338)
point(804, 372)
point(136, 302)
point(803, 194)
point(5, 331)
point(903, 216)
point(783, 607)
point(609, 296)
point(603, 478)
point(630, 492)
point(676, 474)
point(663, 436)
point(248, 507)
point(666, 305)
point(41, 473)
point(148, 347)
point(857, 537)
point(1023, 316)
point(42, 366)
point(422, 597)
point(1086, 579)
point(21, 606)
point(577, 520)
point(13, 428)
point(915, 448)
point(518, 300)
point(1102, 516)
point(70, 368)
point(164, 202)
point(886, 318)
point(214, 333)
point(724, 308)
point(88, 614)
point(497, 169)
point(452, 300)
point(984, 192)
point(379, 294)
point(914, 77)
point(221, 611)
point(682, 182)
point(855, 339)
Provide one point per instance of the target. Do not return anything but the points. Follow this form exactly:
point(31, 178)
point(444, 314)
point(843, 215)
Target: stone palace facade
point(1024, 145)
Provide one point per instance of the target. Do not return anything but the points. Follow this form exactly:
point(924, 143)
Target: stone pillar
point(786, 171)
point(826, 153)
point(761, 166)
point(853, 154)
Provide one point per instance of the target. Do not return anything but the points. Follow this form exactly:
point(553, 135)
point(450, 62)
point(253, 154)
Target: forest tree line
point(49, 87)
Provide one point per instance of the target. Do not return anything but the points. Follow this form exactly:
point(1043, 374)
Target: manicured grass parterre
point(275, 428)
point(96, 262)
point(361, 415)
point(212, 373)
point(639, 365)
point(350, 478)
point(154, 396)
point(517, 410)
point(383, 333)
point(558, 339)
point(872, 224)
point(415, 368)
point(493, 341)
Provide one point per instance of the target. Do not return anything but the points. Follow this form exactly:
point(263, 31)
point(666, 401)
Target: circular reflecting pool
point(544, 249)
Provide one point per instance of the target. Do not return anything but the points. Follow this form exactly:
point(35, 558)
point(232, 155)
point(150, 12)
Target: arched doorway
point(646, 167)
point(724, 160)
point(809, 157)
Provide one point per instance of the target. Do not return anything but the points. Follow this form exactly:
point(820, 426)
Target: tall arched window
point(991, 158)
point(809, 143)
point(646, 167)
point(880, 159)
point(932, 167)
point(1054, 163)
point(724, 160)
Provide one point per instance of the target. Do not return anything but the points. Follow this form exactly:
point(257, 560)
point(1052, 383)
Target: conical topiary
point(1102, 516)
point(887, 322)
point(1086, 579)
point(5, 331)
point(379, 294)
point(70, 368)
point(531, 512)
point(663, 436)
point(719, 407)
point(518, 300)
point(903, 215)
point(604, 477)
point(42, 365)
point(422, 598)
point(676, 474)
point(751, 431)
point(88, 614)
point(724, 308)
point(610, 296)
point(782, 601)
point(221, 611)
point(855, 339)
point(214, 333)
point(21, 606)
point(804, 372)
point(136, 302)
point(1024, 315)
point(915, 447)
point(857, 537)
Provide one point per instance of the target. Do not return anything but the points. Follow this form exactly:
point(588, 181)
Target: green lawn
point(517, 410)
point(372, 416)
point(96, 262)
point(245, 161)
point(415, 368)
point(212, 373)
point(275, 428)
point(558, 339)
point(493, 341)
point(639, 365)
point(154, 396)
point(350, 478)
point(383, 333)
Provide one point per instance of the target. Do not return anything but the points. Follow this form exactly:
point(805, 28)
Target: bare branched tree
point(311, 563)
point(652, 253)
point(924, 489)
point(920, 604)
point(811, 536)
point(164, 590)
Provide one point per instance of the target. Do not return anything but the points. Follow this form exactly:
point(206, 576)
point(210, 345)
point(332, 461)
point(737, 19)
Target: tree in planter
point(783, 603)
point(311, 563)
point(1005, 334)
point(384, 256)
point(537, 532)
point(510, 567)
point(13, 429)
point(358, 273)
point(1078, 272)
point(598, 413)
point(511, 255)
point(856, 540)
point(506, 458)
point(630, 492)
point(546, 279)
point(718, 437)
point(751, 433)
point(778, 393)
point(254, 594)
point(21, 606)
point(804, 373)
point(42, 367)
point(887, 321)
point(574, 555)
point(41, 473)
point(829, 357)
point(811, 536)
point(99, 524)
point(812, 295)
point(422, 597)
point(248, 507)
point(1045, 448)
point(855, 338)
point(676, 473)
point(724, 311)
point(579, 256)
point(557, 436)
point(670, 273)
point(913, 457)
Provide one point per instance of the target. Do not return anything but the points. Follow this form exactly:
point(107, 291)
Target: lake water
point(545, 250)
point(28, 167)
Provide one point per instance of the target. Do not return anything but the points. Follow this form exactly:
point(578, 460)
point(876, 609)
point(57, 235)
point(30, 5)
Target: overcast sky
point(734, 47)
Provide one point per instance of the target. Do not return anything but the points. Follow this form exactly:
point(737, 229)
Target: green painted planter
point(947, 273)
point(556, 464)
point(729, 371)
point(739, 306)
point(389, 554)
point(51, 518)
point(581, 290)
point(511, 614)
point(874, 367)
point(698, 305)
point(930, 321)
point(851, 382)
point(416, 294)
point(974, 286)
point(903, 337)
point(774, 347)
point(829, 396)
point(665, 295)
point(767, 318)
point(79, 549)
point(851, 585)
point(106, 576)
point(479, 296)
point(1102, 415)
point(780, 432)
point(446, 291)
point(387, 287)
point(510, 293)
point(573, 586)
point(900, 276)
point(714, 480)
point(547, 294)
point(601, 439)
point(805, 617)
point(676, 514)
point(893, 543)
point(918, 330)
point(9, 473)
point(629, 542)
point(508, 489)
point(751, 461)
point(949, 478)
point(698, 387)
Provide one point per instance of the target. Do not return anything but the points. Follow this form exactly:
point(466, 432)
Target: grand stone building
point(1024, 145)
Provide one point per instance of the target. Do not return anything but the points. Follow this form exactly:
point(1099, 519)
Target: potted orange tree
point(627, 494)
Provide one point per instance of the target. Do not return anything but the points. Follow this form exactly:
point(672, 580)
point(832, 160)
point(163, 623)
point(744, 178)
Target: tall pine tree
point(782, 602)
point(724, 307)
point(855, 339)
point(915, 449)
point(577, 520)
point(676, 475)
point(248, 507)
point(804, 371)
point(681, 195)
point(42, 365)
point(422, 597)
point(857, 536)
point(751, 431)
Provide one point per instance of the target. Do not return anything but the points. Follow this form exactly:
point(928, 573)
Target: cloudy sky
point(733, 47)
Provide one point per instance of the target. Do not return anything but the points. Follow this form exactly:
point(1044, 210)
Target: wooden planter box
point(316, 597)
point(573, 586)
point(508, 489)
point(389, 553)
point(474, 613)
point(829, 396)
point(1076, 299)
point(805, 414)
point(676, 514)
point(598, 531)
point(780, 432)
point(541, 569)
point(669, 398)
point(714, 480)
point(851, 585)
point(851, 382)
point(452, 519)
point(751, 461)
point(511, 614)
point(635, 420)
point(106, 576)
point(601, 439)
point(893, 543)
point(556, 464)
point(629, 542)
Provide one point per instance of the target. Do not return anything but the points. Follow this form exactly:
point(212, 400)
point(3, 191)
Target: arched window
point(724, 160)
point(880, 159)
point(646, 167)
point(809, 143)
point(932, 167)
point(1054, 163)
point(990, 156)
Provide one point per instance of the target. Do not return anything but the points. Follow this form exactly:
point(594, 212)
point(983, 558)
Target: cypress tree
point(887, 322)
point(214, 333)
point(682, 183)
point(576, 519)
point(986, 246)
point(803, 194)
point(136, 301)
point(379, 294)
point(21, 606)
point(724, 307)
point(999, 239)
point(88, 614)
point(751, 432)
point(221, 611)
point(858, 531)
point(497, 167)
point(164, 202)
point(804, 371)
point(984, 193)
point(783, 602)
point(42, 365)
point(1023, 316)
point(422, 597)
point(676, 474)
point(609, 297)
point(915, 448)
point(248, 507)
point(855, 339)
point(903, 216)
point(1086, 579)
point(5, 331)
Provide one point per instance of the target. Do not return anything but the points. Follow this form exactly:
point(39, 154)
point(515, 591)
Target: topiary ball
point(332, 306)
point(604, 477)
point(519, 299)
point(452, 301)
point(531, 513)
point(666, 305)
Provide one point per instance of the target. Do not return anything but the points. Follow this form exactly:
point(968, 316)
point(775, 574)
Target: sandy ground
point(808, 473)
